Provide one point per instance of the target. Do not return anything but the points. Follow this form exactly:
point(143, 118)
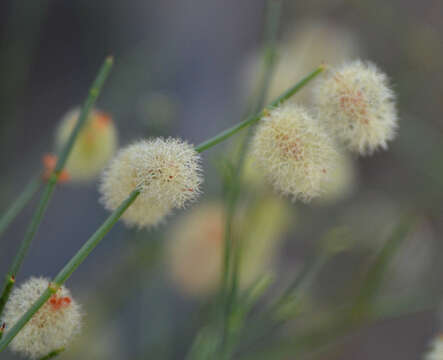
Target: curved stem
point(69, 268)
point(254, 118)
point(19, 203)
point(49, 189)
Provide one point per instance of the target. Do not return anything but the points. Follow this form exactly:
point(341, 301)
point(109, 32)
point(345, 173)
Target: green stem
point(49, 189)
point(229, 291)
point(19, 203)
point(69, 268)
point(255, 118)
point(53, 354)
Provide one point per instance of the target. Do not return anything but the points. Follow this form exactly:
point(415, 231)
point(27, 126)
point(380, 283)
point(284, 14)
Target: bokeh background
point(182, 68)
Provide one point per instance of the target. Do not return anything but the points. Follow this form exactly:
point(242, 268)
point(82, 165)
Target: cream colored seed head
point(294, 152)
point(166, 171)
point(94, 146)
point(436, 350)
point(304, 47)
point(356, 104)
point(52, 327)
point(195, 248)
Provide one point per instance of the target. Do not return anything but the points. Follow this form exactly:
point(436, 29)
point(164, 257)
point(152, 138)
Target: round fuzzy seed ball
point(166, 171)
point(357, 106)
point(294, 152)
point(52, 327)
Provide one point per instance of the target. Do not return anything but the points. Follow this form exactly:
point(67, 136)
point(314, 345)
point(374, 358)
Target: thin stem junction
point(50, 187)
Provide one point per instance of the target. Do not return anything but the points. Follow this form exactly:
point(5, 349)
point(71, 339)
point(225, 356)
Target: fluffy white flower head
point(94, 146)
point(436, 351)
point(166, 171)
point(357, 106)
point(51, 328)
point(294, 152)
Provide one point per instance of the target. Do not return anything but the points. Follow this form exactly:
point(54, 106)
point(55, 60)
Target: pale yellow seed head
point(166, 171)
point(94, 146)
point(436, 350)
point(196, 242)
point(357, 106)
point(306, 45)
point(294, 152)
point(51, 328)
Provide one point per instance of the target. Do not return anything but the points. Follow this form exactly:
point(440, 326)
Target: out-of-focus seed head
point(94, 146)
point(52, 327)
point(305, 46)
point(294, 152)
point(166, 171)
point(436, 350)
point(196, 242)
point(357, 105)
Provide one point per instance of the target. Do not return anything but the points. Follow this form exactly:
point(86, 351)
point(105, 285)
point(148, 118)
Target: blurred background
point(188, 69)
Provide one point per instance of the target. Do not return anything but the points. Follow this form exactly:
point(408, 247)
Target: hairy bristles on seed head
point(94, 146)
point(356, 104)
point(166, 171)
point(52, 327)
point(294, 152)
point(436, 350)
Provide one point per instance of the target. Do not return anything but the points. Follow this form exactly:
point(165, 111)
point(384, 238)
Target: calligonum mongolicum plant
point(304, 153)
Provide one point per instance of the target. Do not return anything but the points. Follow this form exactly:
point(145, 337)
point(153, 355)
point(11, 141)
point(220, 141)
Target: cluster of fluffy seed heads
point(51, 328)
point(436, 351)
point(94, 146)
point(356, 104)
point(166, 171)
point(294, 152)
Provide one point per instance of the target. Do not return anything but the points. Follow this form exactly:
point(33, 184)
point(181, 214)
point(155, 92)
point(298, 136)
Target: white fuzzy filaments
point(357, 105)
point(436, 350)
point(166, 171)
point(51, 328)
point(294, 152)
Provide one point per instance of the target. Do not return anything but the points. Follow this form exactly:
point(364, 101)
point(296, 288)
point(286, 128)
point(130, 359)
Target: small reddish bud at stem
point(49, 163)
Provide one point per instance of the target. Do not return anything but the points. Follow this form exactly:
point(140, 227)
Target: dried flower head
point(166, 171)
point(357, 106)
point(93, 147)
point(52, 327)
point(436, 351)
point(294, 152)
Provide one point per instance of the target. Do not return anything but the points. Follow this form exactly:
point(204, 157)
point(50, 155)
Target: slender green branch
point(94, 92)
point(19, 203)
point(69, 268)
point(229, 291)
point(49, 189)
point(53, 354)
point(255, 118)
